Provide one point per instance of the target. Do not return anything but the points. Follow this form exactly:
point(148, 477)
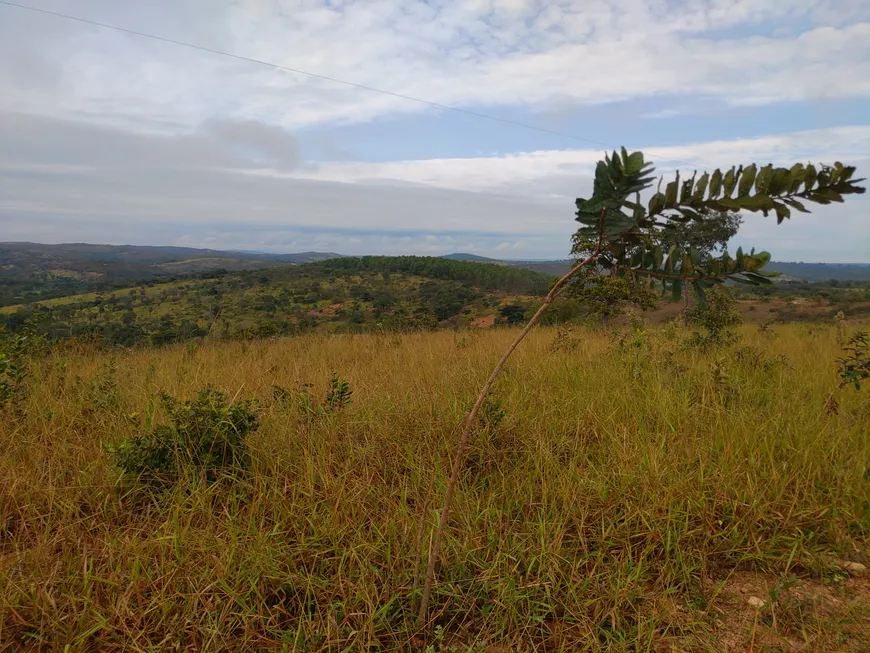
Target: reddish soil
point(484, 322)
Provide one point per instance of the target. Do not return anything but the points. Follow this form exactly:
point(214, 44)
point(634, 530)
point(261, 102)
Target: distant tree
point(706, 236)
point(513, 313)
point(709, 235)
point(606, 296)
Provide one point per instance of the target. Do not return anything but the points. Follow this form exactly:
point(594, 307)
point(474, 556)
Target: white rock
point(755, 602)
point(855, 568)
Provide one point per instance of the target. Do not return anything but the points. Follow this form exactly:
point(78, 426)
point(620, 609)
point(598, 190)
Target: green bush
point(207, 434)
point(16, 350)
point(716, 318)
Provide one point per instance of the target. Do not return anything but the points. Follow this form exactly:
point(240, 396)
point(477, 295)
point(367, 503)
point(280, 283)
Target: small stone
point(755, 602)
point(855, 568)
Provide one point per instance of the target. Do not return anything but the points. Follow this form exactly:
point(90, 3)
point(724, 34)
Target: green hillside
point(32, 272)
point(337, 295)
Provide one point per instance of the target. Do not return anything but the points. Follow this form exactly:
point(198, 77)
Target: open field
point(634, 497)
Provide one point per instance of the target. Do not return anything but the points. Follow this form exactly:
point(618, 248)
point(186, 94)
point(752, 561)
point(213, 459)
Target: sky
point(111, 137)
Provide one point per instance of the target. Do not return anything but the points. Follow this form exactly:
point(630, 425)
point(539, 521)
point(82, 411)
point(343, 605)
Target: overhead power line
point(327, 78)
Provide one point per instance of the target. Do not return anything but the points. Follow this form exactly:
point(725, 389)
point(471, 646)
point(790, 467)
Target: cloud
point(478, 53)
point(72, 181)
point(671, 112)
point(109, 136)
point(554, 173)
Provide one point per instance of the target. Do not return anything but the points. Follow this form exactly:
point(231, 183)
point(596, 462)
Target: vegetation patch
point(206, 434)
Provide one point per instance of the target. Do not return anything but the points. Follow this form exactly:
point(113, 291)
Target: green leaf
point(617, 222)
point(671, 193)
point(728, 182)
point(658, 257)
point(782, 212)
point(810, 178)
point(688, 268)
point(762, 180)
point(846, 174)
point(701, 187)
point(656, 204)
point(795, 205)
point(715, 184)
point(825, 195)
point(757, 203)
point(746, 180)
point(780, 181)
point(824, 178)
point(686, 193)
point(591, 221)
point(633, 163)
point(757, 278)
point(592, 205)
point(753, 261)
point(673, 255)
point(700, 295)
point(676, 290)
point(729, 203)
point(602, 177)
point(739, 278)
point(797, 175)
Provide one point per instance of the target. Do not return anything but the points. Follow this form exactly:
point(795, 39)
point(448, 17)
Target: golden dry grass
point(626, 490)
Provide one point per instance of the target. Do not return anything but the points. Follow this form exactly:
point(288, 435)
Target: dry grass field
point(635, 495)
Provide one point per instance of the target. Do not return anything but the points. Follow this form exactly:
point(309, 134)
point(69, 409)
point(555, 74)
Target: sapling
point(623, 237)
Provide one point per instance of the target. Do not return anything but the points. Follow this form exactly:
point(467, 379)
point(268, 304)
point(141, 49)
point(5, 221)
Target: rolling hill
point(401, 293)
point(33, 271)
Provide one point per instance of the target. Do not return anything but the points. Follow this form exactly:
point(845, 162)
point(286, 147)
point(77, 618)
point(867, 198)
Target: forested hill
point(397, 293)
point(485, 275)
point(33, 271)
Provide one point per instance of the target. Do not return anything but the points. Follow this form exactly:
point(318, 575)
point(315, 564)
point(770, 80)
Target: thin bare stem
point(420, 530)
point(469, 425)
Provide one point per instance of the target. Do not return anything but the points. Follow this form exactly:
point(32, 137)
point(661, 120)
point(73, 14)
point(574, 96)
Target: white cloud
point(671, 112)
point(538, 174)
point(190, 186)
point(209, 151)
point(526, 53)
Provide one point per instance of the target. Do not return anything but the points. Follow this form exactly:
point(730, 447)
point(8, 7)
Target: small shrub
point(492, 413)
point(15, 352)
point(281, 395)
point(565, 340)
point(207, 434)
point(11, 380)
point(765, 330)
point(338, 395)
point(855, 364)
point(715, 318)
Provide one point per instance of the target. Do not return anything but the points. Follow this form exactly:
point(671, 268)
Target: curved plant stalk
point(469, 425)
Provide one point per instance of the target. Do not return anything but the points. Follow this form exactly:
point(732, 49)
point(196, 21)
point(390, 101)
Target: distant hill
point(33, 271)
point(370, 293)
point(556, 268)
point(822, 271)
point(790, 270)
point(459, 256)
